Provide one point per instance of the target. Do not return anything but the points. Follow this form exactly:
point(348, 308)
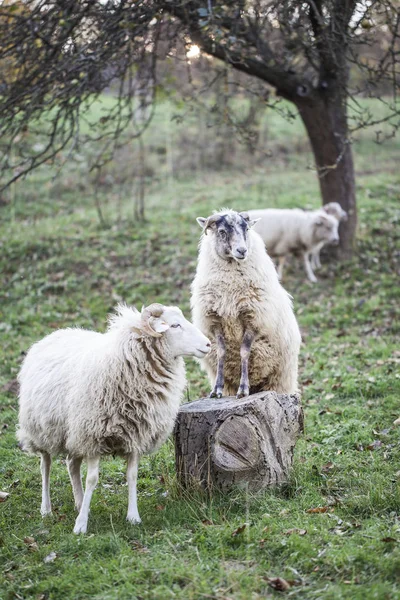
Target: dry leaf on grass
point(139, 547)
point(239, 530)
point(320, 509)
point(3, 496)
point(278, 583)
point(374, 446)
point(295, 530)
point(29, 540)
point(388, 540)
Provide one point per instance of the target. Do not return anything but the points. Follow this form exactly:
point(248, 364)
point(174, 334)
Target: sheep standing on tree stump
point(238, 302)
point(228, 442)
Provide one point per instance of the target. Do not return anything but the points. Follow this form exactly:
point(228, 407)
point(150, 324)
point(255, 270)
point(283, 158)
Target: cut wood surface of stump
point(228, 442)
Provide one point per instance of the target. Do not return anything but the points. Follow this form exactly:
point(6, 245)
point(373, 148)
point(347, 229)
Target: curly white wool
point(88, 394)
point(235, 295)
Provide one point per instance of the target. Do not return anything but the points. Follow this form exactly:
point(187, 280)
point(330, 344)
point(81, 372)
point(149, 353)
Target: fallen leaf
point(138, 547)
point(374, 446)
point(284, 511)
point(239, 530)
point(160, 507)
point(29, 540)
point(397, 421)
point(207, 522)
point(50, 557)
point(295, 530)
point(3, 496)
point(319, 509)
point(327, 468)
point(388, 540)
point(33, 547)
point(278, 583)
point(329, 396)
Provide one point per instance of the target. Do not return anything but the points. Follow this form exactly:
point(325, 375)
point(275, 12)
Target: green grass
point(60, 268)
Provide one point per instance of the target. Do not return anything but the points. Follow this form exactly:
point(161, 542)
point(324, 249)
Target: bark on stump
point(229, 442)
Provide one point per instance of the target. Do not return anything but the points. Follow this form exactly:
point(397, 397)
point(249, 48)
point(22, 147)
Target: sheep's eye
point(222, 233)
point(174, 325)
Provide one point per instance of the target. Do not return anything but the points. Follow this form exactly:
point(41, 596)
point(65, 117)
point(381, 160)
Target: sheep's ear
point(158, 325)
point(253, 222)
point(201, 221)
point(245, 216)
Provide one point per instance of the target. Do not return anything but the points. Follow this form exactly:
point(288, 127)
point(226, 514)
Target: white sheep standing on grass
point(87, 394)
point(238, 302)
point(292, 230)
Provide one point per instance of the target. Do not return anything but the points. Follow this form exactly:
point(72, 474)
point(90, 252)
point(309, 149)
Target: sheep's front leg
point(131, 476)
point(74, 470)
point(45, 464)
point(218, 388)
point(309, 271)
point(245, 348)
point(92, 478)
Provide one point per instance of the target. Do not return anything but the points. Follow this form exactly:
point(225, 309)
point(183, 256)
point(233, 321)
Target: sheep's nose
point(208, 345)
point(242, 251)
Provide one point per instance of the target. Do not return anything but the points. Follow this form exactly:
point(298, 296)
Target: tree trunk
point(325, 119)
point(228, 442)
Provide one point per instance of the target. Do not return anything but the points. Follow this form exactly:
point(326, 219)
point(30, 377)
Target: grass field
point(60, 268)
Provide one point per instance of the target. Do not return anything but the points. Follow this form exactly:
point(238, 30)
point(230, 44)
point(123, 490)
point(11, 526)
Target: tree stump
point(229, 442)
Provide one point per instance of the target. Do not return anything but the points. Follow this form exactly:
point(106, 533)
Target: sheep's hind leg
point(131, 476)
point(74, 470)
point(315, 260)
point(281, 262)
point(92, 478)
point(218, 389)
point(245, 348)
point(45, 464)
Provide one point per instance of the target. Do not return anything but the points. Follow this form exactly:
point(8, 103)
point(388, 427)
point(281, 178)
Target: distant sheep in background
point(335, 210)
point(88, 394)
point(292, 230)
point(240, 305)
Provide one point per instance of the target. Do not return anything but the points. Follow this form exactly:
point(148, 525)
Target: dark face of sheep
point(326, 229)
point(229, 234)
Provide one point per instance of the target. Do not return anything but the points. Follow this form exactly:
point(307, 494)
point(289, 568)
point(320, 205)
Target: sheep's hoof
point(135, 520)
point(216, 393)
point(45, 511)
point(242, 392)
point(80, 528)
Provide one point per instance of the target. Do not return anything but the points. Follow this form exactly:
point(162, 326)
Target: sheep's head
point(229, 230)
point(325, 229)
point(335, 210)
point(180, 336)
